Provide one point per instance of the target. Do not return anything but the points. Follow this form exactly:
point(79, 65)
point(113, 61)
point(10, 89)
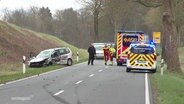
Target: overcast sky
point(52, 4)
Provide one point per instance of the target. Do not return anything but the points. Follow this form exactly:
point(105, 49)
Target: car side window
point(67, 50)
point(56, 53)
point(62, 51)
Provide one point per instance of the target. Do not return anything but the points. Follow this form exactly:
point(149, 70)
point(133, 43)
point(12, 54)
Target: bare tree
point(169, 41)
point(178, 9)
point(153, 19)
point(45, 16)
point(67, 22)
point(95, 6)
point(124, 15)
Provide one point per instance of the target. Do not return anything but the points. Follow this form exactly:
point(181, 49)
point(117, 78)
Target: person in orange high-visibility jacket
point(106, 54)
point(111, 53)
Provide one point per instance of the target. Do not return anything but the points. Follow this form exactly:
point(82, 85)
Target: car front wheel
point(69, 62)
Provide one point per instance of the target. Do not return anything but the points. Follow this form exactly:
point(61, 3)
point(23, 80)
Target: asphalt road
point(78, 84)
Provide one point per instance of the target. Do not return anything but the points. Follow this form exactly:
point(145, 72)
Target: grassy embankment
point(169, 88)
point(11, 71)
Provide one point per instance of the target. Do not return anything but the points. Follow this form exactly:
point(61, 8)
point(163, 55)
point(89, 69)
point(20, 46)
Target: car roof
point(124, 31)
point(109, 43)
point(52, 49)
point(98, 43)
point(143, 44)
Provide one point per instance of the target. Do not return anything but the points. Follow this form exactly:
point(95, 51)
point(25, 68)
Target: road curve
point(79, 84)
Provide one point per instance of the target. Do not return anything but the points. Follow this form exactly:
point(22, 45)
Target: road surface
point(79, 84)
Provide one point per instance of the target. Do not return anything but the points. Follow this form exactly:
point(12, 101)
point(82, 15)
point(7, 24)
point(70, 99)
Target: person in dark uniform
point(92, 53)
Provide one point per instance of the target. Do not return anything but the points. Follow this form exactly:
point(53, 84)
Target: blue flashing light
point(134, 45)
point(151, 42)
point(152, 46)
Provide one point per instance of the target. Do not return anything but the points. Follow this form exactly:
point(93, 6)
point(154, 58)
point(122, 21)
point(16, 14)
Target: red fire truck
point(124, 39)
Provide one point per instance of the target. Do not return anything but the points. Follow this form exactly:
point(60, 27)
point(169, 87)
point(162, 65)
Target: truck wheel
point(69, 62)
point(128, 69)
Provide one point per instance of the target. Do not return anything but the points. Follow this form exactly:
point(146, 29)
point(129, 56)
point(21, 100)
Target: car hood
point(37, 59)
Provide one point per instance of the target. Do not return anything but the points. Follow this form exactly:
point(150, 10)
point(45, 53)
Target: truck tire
point(154, 71)
point(128, 69)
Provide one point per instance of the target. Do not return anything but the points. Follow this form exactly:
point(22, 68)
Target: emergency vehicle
point(124, 39)
point(142, 56)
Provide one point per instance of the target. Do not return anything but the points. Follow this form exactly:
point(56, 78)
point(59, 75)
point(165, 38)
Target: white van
point(99, 50)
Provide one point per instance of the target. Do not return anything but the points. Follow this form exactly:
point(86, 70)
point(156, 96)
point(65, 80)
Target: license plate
point(141, 62)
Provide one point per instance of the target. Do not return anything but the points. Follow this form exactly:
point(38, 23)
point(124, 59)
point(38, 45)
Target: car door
point(63, 55)
point(56, 56)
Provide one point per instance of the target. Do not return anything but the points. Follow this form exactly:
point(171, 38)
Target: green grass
point(3, 53)
point(6, 69)
point(3, 25)
point(16, 28)
point(169, 87)
point(29, 72)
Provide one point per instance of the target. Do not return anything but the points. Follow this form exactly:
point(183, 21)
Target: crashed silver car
point(47, 57)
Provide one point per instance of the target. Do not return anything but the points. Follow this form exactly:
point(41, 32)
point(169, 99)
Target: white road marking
point(61, 91)
point(147, 98)
point(91, 75)
point(22, 98)
point(100, 70)
point(106, 67)
point(2, 84)
point(79, 82)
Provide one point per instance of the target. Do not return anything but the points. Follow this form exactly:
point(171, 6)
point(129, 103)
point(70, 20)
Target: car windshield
point(109, 44)
point(99, 47)
point(44, 54)
point(142, 50)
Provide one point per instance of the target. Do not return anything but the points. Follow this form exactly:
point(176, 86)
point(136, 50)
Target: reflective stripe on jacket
point(111, 50)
